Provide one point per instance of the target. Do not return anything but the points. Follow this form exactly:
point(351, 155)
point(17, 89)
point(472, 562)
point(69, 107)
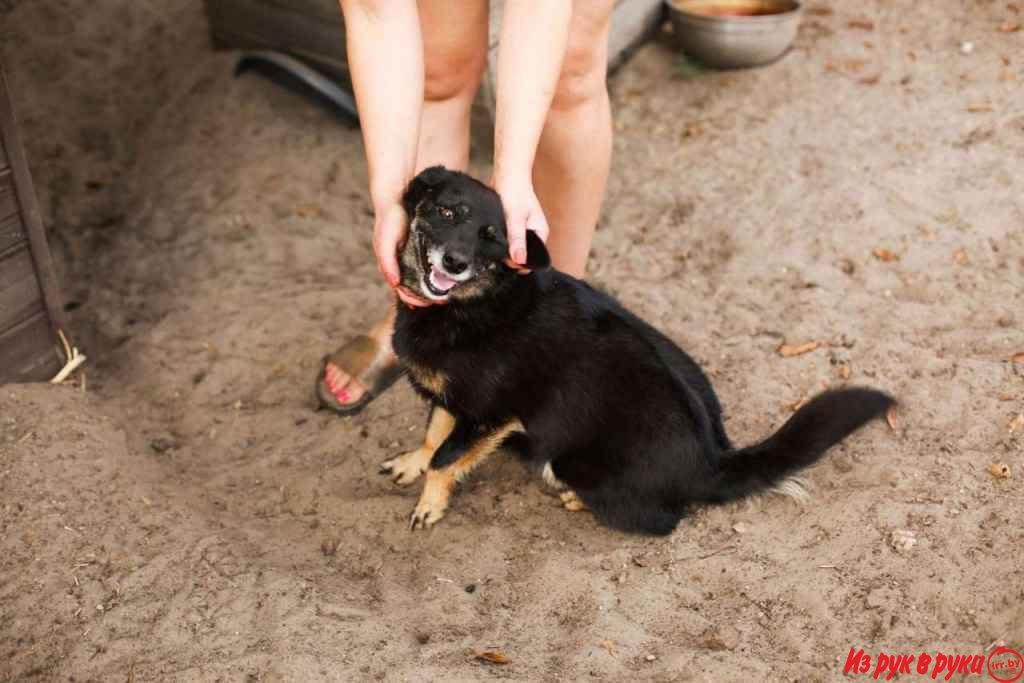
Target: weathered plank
point(11, 231)
point(44, 279)
point(20, 296)
point(26, 352)
point(8, 200)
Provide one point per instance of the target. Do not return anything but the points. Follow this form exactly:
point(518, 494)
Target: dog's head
point(457, 241)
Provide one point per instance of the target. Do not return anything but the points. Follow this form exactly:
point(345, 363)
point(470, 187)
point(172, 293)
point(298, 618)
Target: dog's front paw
point(407, 467)
point(431, 508)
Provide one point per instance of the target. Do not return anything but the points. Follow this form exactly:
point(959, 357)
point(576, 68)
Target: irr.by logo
point(1005, 664)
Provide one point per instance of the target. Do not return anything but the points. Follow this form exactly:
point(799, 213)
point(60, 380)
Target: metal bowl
point(729, 34)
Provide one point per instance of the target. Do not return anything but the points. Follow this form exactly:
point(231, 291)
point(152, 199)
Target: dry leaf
point(1017, 358)
point(893, 419)
point(788, 351)
point(1007, 397)
point(863, 24)
point(844, 371)
point(819, 11)
point(1017, 424)
point(883, 254)
point(960, 257)
point(608, 646)
point(870, 80)
point(1009, 27)
point(980, 108)
point(493, 657)
point(799, 404)
point(1000, 470)
point(308, 211)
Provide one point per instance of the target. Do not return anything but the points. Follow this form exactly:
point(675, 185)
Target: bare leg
point(571, 167)
point(455, 56)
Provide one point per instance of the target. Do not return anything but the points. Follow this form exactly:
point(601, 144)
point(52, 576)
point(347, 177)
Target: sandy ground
point(190, 517)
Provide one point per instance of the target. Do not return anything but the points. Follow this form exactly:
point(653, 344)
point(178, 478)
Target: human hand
point(390, 230)
point(522, 212)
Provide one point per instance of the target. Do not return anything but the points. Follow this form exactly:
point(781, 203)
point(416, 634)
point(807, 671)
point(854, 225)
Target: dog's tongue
point(440, 280)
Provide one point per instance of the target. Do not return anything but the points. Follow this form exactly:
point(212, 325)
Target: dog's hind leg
point(548, 475)
point(406, 468)
point(464, 449)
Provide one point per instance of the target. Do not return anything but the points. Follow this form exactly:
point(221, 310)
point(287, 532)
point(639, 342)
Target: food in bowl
point(734, 33)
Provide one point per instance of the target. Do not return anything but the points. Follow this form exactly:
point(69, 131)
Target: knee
point(583, 78)
point(453, 74)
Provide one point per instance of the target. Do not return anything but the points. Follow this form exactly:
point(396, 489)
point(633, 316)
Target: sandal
point(360, 359)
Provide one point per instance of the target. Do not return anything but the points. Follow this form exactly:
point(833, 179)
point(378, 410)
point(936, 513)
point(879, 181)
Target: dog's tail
point(820, 424)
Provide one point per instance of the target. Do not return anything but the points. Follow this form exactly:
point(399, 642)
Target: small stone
point(422, 637)
point(903, 540)
point(650, 658)
point(471, 588)
point(741, 527)
point(967, 47)
point(329, 546)
point(162, 444)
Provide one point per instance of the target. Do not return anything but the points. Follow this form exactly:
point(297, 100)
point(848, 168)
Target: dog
point(608, 408)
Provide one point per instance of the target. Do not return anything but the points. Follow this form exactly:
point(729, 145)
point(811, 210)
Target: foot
point(407, 467)
point(358, 371)
point(572, 502)
point(433, 501)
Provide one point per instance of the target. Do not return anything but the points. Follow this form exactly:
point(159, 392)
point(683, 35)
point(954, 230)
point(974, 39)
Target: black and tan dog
point(608, 407)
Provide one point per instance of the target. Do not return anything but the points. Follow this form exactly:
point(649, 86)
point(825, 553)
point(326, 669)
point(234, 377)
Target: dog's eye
point(488, 232)
point(446, 213)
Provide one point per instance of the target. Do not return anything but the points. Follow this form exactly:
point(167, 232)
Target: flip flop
point(359, 358)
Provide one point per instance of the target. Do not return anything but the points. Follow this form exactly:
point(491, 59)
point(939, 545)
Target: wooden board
point(22, 358)
point(31, 310)
point(20, 296)
point(11, 230)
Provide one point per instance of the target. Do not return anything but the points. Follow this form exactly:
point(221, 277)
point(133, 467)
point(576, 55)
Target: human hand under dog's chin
point(522, 212)
point(390, 229)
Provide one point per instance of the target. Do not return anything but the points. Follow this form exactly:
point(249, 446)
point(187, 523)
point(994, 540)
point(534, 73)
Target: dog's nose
point(454, 263)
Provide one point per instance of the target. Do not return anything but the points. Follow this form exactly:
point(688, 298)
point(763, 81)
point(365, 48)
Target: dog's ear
point(537, 256)
point(423, 186)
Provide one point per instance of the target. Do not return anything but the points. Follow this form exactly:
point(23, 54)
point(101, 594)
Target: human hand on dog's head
point(523, 215)
point(457, 246)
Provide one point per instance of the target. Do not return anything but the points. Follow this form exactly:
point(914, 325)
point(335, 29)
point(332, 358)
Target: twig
point(72, 360)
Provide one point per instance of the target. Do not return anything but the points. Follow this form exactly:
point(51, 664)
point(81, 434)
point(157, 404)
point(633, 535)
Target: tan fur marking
point(440, 483)
point(431, 380)
point(407, 467)
point(572, 502)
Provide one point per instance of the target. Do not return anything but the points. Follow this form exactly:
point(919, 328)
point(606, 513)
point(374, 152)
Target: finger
point(516, 267)
point(517, 241)
point(411, 299)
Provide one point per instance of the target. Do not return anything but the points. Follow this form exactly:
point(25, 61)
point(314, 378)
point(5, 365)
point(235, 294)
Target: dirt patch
point(190, 517)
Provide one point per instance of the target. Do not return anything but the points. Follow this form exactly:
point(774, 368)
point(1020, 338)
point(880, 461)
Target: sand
point(190, 517)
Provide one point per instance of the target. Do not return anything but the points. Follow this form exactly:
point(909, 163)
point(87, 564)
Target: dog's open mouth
point(435, 283)
point(438, 283)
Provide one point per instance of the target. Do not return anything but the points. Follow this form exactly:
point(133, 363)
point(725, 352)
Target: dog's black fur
point(625, 418)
